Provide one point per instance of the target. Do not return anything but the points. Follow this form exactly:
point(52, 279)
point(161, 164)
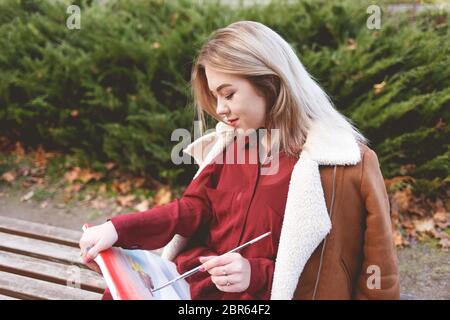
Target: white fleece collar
point(306, 221)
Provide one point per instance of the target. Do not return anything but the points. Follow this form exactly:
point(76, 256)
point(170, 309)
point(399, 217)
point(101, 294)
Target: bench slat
point(2, 297)
point(50, 271)
point(40, 231)
point(41, 249)
point(23, 287)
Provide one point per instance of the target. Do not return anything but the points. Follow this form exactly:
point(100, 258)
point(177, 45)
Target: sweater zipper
point(325, 241)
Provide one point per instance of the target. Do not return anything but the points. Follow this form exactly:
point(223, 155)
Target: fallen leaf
point(70, 190)
point(40, 157)
point(37, 172)
point(138, 182)
point(351, 44)
point(407, 168)
point(426, 225)
point(399, 179)
point(9, 176)
point(84, 175)
point(99, 204)
point(440, 216)
point(72, 175)
point(121, 187)
point(143, 205)
point(445, 243)
point(19, 150)
point(36, 180)
point(102, 188)
point(398, 239)
point(28, 196)
point(24, 171)
point(163, 196)
point(87, 175)
point(87, 198)
point(26, 184)
point(110, 165)
point(403, 199)
point(440, 125)
point(126, 201)
point(378, 88)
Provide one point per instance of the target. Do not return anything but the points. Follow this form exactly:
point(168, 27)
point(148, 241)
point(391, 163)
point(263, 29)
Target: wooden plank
point(40, 231)
point(40, 249)
point(27, 288)
point(2, 297)
point(50, 271)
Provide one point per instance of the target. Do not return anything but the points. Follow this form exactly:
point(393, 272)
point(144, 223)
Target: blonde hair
point(254, 51)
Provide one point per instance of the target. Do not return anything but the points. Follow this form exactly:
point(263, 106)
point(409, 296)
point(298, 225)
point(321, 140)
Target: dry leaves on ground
point(416, 218)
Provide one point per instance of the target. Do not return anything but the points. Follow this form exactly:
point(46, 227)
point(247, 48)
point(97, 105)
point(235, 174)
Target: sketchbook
point(132, 274)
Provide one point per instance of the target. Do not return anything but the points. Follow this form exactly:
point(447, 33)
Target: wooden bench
point(43, 262)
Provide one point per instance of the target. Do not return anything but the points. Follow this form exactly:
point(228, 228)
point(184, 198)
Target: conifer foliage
point(116, 88)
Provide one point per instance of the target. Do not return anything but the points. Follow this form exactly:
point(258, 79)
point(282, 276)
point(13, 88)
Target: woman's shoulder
point(368, 169)
point(368, 156)
point(363, 148)
point(366, 166)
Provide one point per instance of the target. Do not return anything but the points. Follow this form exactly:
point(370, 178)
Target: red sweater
point(224, 206)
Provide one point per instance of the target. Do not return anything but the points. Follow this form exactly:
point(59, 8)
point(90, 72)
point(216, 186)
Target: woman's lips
point(233, 122)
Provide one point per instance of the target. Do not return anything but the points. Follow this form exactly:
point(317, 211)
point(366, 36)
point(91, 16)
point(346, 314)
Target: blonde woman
point(324, 201)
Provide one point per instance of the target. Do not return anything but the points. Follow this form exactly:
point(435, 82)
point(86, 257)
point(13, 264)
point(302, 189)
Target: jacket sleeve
point(261, 276)
point(378, 278)
point(154, 228)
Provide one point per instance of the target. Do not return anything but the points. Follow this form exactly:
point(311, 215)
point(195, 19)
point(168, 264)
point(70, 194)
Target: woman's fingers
point(86, 242)
point(91, 264)
point(227, 269)
point(230, 272)
point(93, 252)
point(98, 238)
point(94, 266)
point(224, 280)
point(217, 261)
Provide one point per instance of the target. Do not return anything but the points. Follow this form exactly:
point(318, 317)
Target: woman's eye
point(229, 96)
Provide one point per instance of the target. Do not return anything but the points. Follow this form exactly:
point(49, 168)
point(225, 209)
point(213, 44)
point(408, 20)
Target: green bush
point(408, 121)
point(117, 88)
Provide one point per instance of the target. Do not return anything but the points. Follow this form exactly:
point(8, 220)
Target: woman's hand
point(230, 273)
point(96, 239)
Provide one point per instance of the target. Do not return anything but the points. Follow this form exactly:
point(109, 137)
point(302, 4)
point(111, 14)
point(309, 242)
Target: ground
point(424, 268)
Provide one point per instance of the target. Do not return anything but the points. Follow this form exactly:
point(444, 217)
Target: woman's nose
point(222, 109)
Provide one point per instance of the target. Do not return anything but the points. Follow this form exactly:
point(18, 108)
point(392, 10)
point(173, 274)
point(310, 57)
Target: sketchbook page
point(160, 274)
point(132, 274)
point(107, 276)
point(124, 276)
point(169, 271)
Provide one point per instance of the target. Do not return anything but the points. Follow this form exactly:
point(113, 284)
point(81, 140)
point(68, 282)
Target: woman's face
point(236, 99)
